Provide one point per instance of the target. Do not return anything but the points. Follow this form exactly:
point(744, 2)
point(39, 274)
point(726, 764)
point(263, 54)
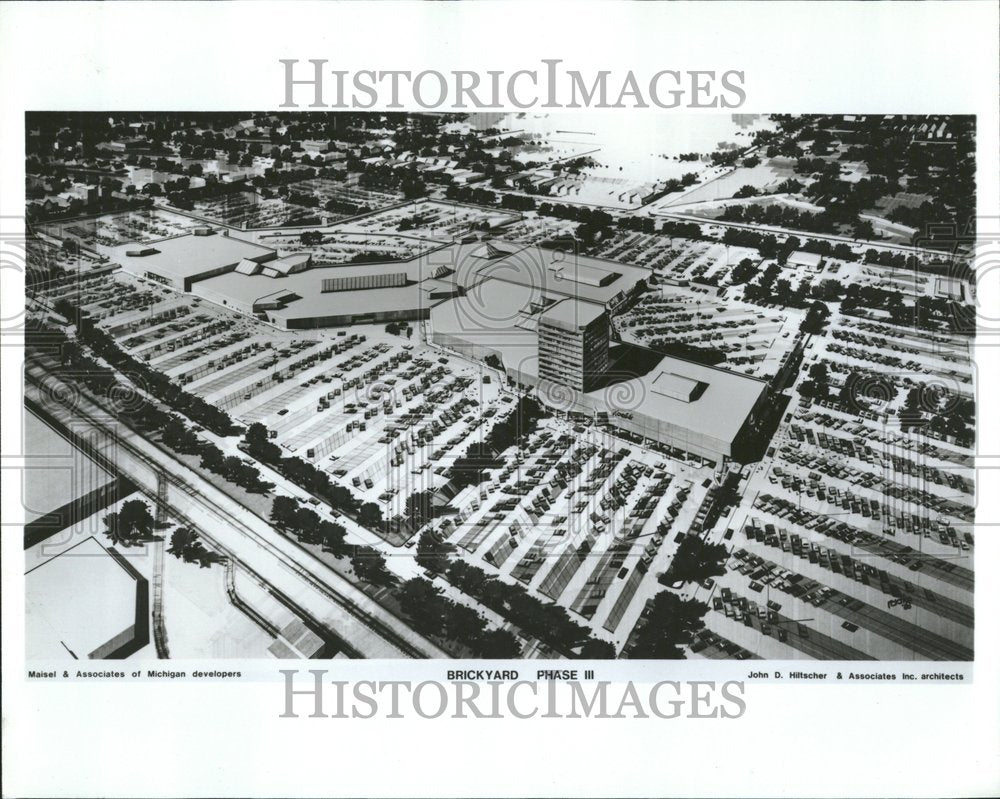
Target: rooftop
point(493, 313)
point(189, 255)
point(79, 602)
point(570, 314)
point(312, 301)
point(703, 399)
point(511, 274)
point(805, 258)
point(558, 272)
point(587, 274)
point(675, 386)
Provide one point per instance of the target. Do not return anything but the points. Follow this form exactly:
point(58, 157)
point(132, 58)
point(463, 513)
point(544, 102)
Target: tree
point(369, 565)
point(213, 458)
point(256, 434)
point(283, 510)
point(185, 544)
point(419, 509)
point(182, 538)
point(420, 598)
point(233, 468)
point(596, 649)
point(305, 522)
point(497, 645)
point(816, 318)
point(259, 445)
point(820, 372)
point(670, 623)
point(828, 289)
point(432, 552)
point(789, 186)
point(864, 229)
point(743, 271)
point(412, 187)
point(178, 436)
point(696, 561)
point(768, 246)
point(462, 623)
point(131, 524)
point(370, 515)
point(332, 535)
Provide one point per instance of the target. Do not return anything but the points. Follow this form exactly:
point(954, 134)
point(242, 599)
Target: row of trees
point(290, 516)
point(124, 399)
point(257, 443)
point(784, 216)
point(547, 622)
point(133, 524)
point(769, 246)
point(435, 614)
point(308, 527)
point(943, 413)
point(379, 176)
point(132, 405)
point(180, 438)
point(471, 194)
point(141, 374)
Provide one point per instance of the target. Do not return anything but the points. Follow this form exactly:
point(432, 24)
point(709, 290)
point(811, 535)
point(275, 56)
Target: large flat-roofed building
point(811, 261)
point(86, 602)
point(294, 293)
point(695, 409)
point(333, 296)
point(182, 261)
point(573, 344)
point(551, 272)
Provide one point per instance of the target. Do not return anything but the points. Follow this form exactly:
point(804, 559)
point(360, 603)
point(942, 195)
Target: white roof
point(247, 267)
point(805, 258)
point(77, 602)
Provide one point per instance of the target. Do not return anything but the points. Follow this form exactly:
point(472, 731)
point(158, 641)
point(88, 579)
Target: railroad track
point(159, 625)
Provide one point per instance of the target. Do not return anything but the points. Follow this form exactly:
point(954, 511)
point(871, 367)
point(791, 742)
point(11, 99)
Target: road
point(291, 572)
point(802, 234)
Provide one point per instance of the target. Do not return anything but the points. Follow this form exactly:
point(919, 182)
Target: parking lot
point(751, 341)
point(583, 518)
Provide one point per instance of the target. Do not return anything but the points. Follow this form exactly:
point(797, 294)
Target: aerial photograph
point(499, 386)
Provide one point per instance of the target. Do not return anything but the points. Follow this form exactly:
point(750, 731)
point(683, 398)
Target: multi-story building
point(573, 344)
